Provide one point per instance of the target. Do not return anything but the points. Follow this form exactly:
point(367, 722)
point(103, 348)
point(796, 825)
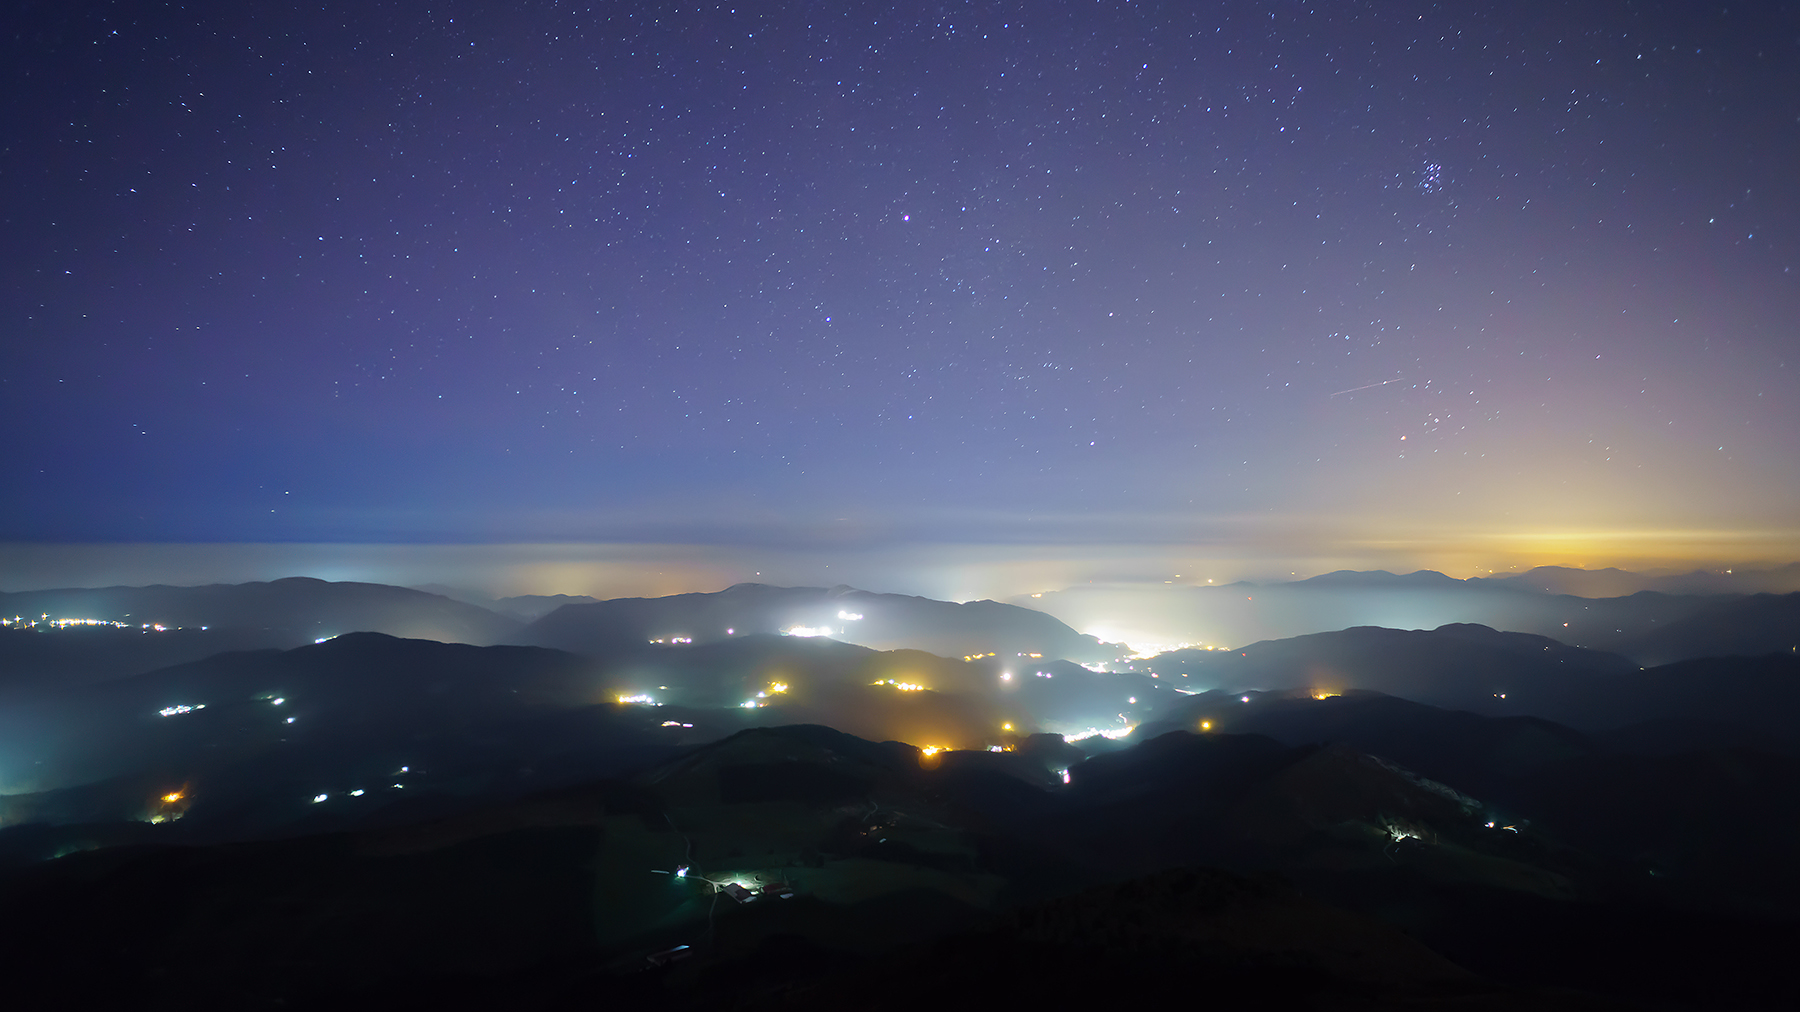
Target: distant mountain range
point(160, 626)
point(1650, 627)
point(198, 622)
point(1582, 582)
point(1621, 583)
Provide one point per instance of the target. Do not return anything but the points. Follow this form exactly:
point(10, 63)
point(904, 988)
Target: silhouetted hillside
point(1486, 756)
point(1427, 579)
point(1459, 666)
point(36, 658)
point(257, 734)
point(249, 739)
point(1738, 627)
point(1480, 670)
point(201, 621)
point(881, 621)
point(1621, 583)
point(1231, 616)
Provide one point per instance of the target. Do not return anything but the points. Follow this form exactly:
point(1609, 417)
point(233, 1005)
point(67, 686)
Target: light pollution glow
point(957, 572)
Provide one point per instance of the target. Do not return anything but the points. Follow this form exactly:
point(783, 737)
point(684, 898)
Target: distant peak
point(1419, 578)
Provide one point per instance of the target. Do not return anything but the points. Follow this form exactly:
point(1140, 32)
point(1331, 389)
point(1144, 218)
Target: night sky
point(1334, 279)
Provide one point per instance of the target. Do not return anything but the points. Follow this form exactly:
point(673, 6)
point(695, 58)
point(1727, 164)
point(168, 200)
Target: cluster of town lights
point(1112, 734)
point(45, 621)
point(774, 689)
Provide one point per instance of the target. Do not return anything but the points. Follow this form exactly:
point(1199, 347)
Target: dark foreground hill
point(801, 867)
point(1752, 626)
point(1481, 670)
point(1718, 821)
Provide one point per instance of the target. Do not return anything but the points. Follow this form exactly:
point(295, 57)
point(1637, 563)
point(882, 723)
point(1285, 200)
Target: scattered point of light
point(641, 698)
point(321, 797)
point(356, 793)
point(806, 631)
point(849, 616)
point(172, 797)
point(1112, 734)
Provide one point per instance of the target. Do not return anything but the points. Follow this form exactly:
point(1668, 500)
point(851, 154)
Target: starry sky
point(1333, 279)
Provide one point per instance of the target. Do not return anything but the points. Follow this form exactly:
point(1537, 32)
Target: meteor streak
point(1371, 386)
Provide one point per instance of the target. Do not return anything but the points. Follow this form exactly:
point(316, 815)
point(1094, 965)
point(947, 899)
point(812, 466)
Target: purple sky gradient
point(809, 277)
